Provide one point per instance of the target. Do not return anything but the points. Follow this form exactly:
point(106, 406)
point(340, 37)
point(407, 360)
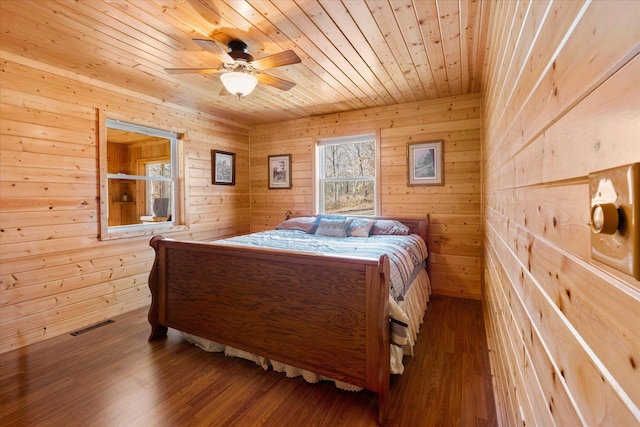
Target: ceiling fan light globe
point(237, 83)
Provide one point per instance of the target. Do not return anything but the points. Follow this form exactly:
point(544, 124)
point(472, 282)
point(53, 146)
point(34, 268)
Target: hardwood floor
point(111, 376)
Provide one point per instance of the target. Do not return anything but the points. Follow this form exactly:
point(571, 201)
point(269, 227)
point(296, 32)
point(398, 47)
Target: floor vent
point(91, 328)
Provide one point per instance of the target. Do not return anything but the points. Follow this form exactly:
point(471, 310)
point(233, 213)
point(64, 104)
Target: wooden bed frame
point(326, 314)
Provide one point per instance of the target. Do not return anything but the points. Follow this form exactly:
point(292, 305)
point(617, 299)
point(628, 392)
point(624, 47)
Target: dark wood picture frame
point(424, 163)
point(279, 167)
point(223, 167)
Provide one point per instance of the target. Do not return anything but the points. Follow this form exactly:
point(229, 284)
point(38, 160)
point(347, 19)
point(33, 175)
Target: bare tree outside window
point(157, 189)
point(348, 176)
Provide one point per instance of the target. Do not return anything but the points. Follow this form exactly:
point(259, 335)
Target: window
point(139, 192)
point(158, 190)
point(347, 175)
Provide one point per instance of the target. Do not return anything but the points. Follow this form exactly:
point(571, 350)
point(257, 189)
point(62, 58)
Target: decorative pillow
point(301, 223)
point(333, 227)
point(360, 227)
point(314, 226)
point(389, 226)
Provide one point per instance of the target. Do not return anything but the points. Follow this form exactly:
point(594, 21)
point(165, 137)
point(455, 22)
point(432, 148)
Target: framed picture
point(280, 171)
point(425, 163)
point(223, 167)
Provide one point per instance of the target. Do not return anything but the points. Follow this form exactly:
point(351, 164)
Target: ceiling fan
point(239, 72)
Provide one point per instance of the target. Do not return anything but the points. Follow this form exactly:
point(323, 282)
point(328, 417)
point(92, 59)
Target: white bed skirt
point(412, 308)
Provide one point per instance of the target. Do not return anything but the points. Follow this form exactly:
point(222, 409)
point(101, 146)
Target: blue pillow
point(314, 226)
point(389, 226)
point(360, 227)
point(333, 227)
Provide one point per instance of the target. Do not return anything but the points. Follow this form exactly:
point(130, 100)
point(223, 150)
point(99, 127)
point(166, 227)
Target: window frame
point(319, 165)
point(178, 220)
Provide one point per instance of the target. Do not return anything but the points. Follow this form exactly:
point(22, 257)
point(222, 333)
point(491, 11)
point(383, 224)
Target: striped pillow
point(333, 227)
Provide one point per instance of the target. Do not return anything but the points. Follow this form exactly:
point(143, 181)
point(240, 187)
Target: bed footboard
point(326, 314)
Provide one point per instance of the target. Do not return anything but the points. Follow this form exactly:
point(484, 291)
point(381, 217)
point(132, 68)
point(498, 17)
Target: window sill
point(137, 230)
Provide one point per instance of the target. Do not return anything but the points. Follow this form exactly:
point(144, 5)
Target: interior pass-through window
point(139, 180)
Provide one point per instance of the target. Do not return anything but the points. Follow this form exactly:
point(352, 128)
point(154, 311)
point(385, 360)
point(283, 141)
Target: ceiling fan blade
point(213, 46)
point(192, 70)
point(277, 60)
point(274, 81)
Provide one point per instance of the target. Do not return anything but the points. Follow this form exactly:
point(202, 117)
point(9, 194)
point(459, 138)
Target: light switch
point(615, 218)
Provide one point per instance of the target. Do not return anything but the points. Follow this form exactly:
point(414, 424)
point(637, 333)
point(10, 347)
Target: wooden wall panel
point(455, 243)
point(561, 100)
point(56, 276)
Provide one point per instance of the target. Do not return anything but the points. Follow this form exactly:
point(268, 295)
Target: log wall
point(56, 276)
point(561, 99)
point(454, 244)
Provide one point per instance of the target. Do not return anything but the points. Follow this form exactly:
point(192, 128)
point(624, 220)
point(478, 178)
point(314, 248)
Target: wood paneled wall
point(454, 245)
point(561, 99)
point(56, 276)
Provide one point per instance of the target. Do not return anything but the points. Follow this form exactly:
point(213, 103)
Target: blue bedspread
point(406, 252)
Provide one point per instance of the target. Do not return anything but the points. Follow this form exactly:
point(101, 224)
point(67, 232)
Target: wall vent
point(91, 328)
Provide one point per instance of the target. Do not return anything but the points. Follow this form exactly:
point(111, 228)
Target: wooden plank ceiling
point(355, 54)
